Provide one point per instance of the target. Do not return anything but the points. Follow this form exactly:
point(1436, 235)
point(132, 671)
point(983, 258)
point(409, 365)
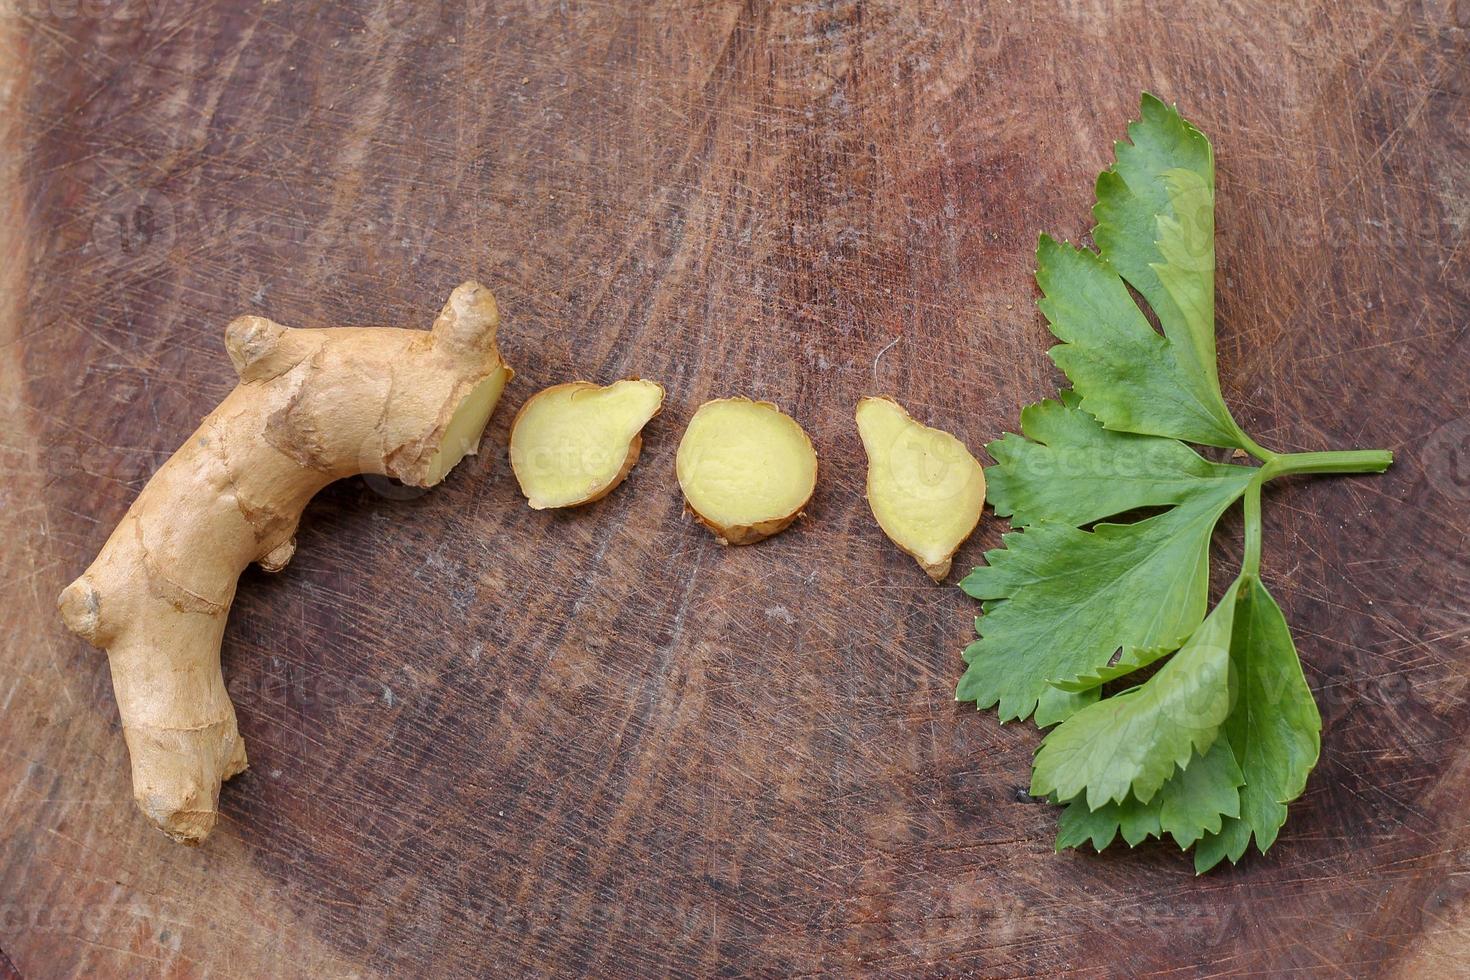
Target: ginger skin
point(312, 406)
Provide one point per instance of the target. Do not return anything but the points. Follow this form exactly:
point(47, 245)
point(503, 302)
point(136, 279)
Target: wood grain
point(489, 741)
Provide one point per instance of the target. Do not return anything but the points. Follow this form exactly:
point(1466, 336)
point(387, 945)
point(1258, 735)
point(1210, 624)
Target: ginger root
point(573, 443)
point(924, 486)
point(312, 406)
point(746, 469)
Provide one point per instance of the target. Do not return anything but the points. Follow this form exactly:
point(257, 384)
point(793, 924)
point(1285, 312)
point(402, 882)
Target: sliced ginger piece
point(746, 469)
point(924, 486)
point(573, 443)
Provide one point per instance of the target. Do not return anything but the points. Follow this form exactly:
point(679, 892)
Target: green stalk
point(1257, 450)
point(1250, 563)
point(1347, 461)
point(1286, 464)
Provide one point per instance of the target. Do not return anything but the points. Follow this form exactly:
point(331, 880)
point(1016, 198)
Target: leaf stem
point(1346, 461)
point(1257, 450)
point(1250, 563)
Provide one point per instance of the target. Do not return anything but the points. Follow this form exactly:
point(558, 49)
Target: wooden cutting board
point(487, 741)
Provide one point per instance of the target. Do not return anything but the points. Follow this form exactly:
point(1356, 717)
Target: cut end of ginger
point(466, 425)
point(746, 469)
point(924, 486)
point(573, 443)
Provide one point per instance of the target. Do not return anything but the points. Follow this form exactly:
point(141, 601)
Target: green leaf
point(1274, 729)
point(1126, 663)
point(1213, 745)
point(1068, 468)
point(1231, 841)
point(1125, 588)
point(1056, 704)
point(1134, 741)
point(1125, 372)
point(1197, 801)
point(1155, 216)
point(1155, 230)
point(1134, 820)
point(1267, 744)
point(1061, 601)
point(1194, 802)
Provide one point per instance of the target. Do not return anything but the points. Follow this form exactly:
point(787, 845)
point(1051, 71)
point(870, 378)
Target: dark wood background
point(497, 742)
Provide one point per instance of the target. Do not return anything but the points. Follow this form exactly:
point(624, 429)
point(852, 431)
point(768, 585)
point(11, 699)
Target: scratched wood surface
point(487, 741)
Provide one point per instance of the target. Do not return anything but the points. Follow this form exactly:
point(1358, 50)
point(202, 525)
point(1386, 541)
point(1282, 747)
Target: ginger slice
point(924, 486)
point(746, 469)
point(573, 443)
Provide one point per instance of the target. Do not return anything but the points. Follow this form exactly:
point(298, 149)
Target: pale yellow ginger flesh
point(462, 434)
point(746, 469)
point(573, 443)
point(311, 407)
point(924, 487)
